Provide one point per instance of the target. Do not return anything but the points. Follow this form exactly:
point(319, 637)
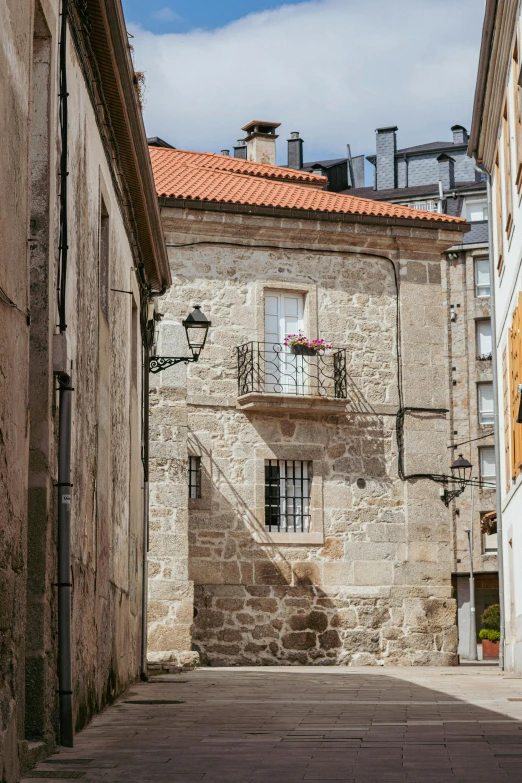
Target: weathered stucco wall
point(373, 583)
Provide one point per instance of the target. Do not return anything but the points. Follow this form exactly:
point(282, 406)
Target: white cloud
point(332, 69)
point(167, 15)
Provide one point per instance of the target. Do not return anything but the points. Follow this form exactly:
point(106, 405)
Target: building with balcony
point(293, 516)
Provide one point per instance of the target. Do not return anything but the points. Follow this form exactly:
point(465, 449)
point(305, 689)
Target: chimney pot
point(295, 151)
point(460, 134)
point(240, 150)
point(446, 171)
point(386, 148)
point(225, 152)
point(261, 141)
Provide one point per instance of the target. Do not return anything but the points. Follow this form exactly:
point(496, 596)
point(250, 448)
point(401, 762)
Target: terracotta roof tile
point(164, 159)
point(188, 176)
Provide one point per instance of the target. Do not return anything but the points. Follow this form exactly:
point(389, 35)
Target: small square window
point(194, 477)
point(482, 278)
point(287, 496)
point(485, 403)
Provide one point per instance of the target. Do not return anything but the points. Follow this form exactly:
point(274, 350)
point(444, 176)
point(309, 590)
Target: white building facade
point(496, 144)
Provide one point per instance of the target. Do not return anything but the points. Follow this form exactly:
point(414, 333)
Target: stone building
point(440, 177)
point(82, 252)
point(496, 145)
point(293, 519)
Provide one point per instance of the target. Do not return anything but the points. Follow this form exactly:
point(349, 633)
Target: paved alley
point(287, 724)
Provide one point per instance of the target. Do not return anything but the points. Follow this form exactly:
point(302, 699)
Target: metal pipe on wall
point(64, 563)
point(144, 592)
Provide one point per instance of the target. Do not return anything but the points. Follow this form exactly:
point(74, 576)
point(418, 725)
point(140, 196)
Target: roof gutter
point(482, 75)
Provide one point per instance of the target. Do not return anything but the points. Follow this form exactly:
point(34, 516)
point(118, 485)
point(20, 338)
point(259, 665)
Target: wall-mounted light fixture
point(461, 470)
point(196, 327)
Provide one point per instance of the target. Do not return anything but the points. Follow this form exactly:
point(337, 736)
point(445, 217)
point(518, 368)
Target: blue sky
point(181, 16)
point(334, 70)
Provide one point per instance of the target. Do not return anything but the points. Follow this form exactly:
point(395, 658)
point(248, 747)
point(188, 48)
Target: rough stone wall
point(16, 22)
point(371, 582)
point(107, 477)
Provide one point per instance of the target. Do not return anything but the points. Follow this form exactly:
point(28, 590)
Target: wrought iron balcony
point(271, 368)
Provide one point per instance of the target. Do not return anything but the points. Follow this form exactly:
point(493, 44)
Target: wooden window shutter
point(506, 394)
point(508, 189)
point(498, 215)
point(518, 116)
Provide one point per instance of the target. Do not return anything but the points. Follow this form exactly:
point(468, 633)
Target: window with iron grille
point(287, 496)
point(194, 477)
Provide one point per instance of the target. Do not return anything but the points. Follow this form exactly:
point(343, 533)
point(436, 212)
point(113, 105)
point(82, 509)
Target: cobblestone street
point(287, 724)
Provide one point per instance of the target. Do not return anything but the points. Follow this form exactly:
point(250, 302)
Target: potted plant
point(300, 345)
point(490, 634)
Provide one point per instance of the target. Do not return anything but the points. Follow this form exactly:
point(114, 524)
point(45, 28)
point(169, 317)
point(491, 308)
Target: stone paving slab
point(290, 724)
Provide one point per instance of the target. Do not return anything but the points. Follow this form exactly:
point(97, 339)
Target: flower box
point(490, 650)
point(303, 350)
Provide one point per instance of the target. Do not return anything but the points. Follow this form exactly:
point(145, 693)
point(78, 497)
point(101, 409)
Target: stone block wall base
point(172, 661)
point(257, 625)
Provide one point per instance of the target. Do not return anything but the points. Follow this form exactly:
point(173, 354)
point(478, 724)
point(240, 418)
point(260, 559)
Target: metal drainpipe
point(64, 563)
point(500, 551)
point(143, 669)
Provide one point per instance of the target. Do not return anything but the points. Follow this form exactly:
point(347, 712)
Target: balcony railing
point(271, 368)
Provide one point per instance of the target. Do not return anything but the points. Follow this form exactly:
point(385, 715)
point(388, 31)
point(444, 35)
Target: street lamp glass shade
point(196, 326)
point(461, 468)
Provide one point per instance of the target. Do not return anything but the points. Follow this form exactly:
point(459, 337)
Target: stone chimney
point(240, 151)
point(261, 141)
point(460, 134)
point(295, 151)
point(226, 153)
point(386, 147)
point(446, 171)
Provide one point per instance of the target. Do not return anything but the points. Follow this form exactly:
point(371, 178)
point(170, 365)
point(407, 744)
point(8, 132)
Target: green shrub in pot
point(489, 634)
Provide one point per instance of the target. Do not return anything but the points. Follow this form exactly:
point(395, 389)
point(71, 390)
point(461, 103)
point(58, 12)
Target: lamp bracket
point(159, 363)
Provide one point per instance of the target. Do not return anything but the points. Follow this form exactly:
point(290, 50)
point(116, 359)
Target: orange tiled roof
point(165, 158)
point(179, 174)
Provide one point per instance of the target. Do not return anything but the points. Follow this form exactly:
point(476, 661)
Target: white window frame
point(284, 372)
point(294, 507)
point(485, 416)
point(481, 288)
point(484, 348)
point(483, 451)
point(477, 204)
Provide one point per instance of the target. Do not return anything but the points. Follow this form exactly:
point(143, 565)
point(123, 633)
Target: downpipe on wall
point(144, 592)
point(64, 562)
point(494, 367)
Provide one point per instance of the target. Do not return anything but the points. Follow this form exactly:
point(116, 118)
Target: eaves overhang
point(106, 35)
point(309, 214)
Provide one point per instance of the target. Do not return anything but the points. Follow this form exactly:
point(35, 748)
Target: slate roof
point(205, 177)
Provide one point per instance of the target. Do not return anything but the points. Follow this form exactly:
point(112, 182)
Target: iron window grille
point(287, 496)
point(271, 368)
point(194, 477)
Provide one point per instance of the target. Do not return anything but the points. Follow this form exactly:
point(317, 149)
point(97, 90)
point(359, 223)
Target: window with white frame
point(284, 373)
point(484, 344)
point(476, 209)
point(485, 403)
point(489, 539)
point(487, 464)
point(287, 495)
point(482, 278)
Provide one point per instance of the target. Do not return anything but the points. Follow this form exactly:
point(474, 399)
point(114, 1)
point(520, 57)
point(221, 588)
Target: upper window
point(484, 344)
point(485, 403)
point(476, 209)
point(487, 463)
point(284, 373)
point(194, 477)
point(482, 278)
point(287, 495)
